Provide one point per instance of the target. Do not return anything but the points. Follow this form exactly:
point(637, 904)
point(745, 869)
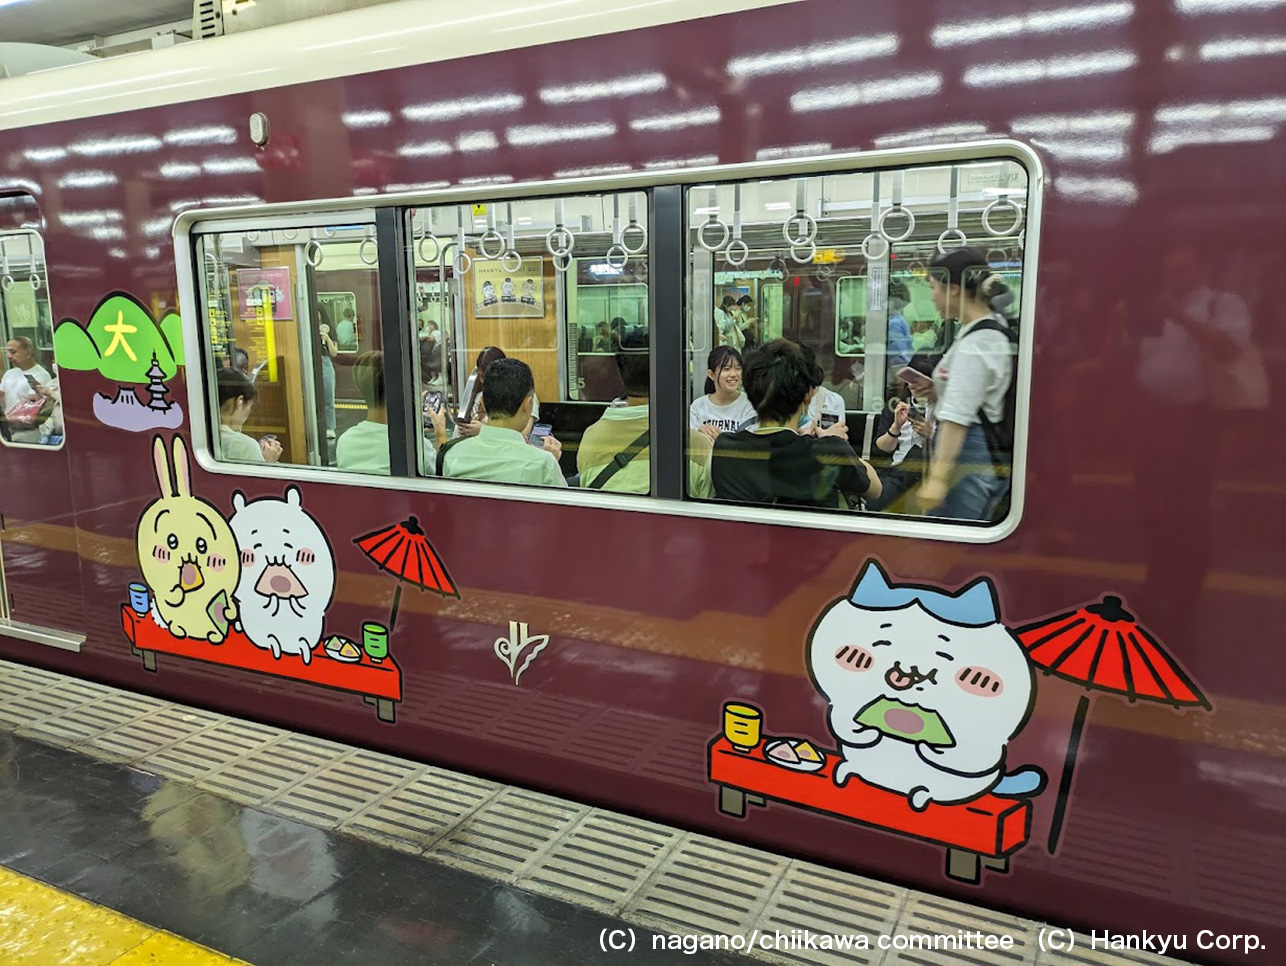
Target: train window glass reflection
point(293, 347)
point(32, 413)
point(558, 286)
point(854, 338)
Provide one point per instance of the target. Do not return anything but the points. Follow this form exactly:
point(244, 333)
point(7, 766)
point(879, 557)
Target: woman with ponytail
point(970, 386)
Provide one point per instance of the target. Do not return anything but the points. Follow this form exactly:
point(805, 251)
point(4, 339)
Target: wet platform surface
point(276, 847)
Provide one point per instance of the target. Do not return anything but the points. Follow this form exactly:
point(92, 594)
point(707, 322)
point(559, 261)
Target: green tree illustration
point(126, 338)
point(172, 329)
point(73, 348)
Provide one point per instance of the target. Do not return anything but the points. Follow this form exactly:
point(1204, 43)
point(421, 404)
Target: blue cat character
point(926, 689)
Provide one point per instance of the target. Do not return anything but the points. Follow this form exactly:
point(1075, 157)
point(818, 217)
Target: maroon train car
point(1065, 705)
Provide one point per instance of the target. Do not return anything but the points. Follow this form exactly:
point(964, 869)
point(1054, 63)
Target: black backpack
point(1000, 435)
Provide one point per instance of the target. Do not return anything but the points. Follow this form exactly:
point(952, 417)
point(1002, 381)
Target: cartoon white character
point(287, 573)
point(926, 689)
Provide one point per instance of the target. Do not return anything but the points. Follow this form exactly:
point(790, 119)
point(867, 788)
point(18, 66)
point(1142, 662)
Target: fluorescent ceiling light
point(592, 170)
point(1091, 152)
point(477, 141)
point(425, 149)
point(44, 155)
point(1164, 142)
point(359, 119)
point(202, 135)
point(488, 179)
point(965, 32)
point(418, 186)
point(1051, 68)
point(672, 122)
point(1225, 6)
point(846, 51)
point(120, 145)
point(180, 169)
point(792, 151)
point(87, 179)
point(596, 90)
point(1094, 123)
point(1098, 189)
point(696, 162)
point(904, 88)
point(1258, 110)
point(463, 107)
point(230, 166)
point(78, 219)
point(534, 134)
point(1234, 48)
point(940, 132)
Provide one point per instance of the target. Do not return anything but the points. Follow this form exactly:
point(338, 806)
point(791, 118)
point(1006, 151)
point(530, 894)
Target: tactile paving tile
point(601, 861)
point(930, 916)
point(271, 769)
point(340, 791)
point(149, 734)
point(19, 680)
point(1082, 955)
point(111, 711)
point(507, 835)
point(707, 885)
point(823, 902)
point(196, 756)
point(426, 808)
point(34, 706)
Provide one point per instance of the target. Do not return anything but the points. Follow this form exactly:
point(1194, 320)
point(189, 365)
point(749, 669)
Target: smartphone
point(432, 401)
point(915, 379)
point(916, 412)
point(827, 420)
point(470, 390)
point(538, 434)
point(31, 381)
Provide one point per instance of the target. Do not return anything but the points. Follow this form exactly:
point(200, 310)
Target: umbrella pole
point(392, 617)
point(1069, 770)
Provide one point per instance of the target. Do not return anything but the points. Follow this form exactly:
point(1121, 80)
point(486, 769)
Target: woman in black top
point(773, 463)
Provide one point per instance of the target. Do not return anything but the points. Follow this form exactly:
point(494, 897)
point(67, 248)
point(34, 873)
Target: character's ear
point(238, 501)
point(293, 497)
point(182, 471)
point(980, 602)
point(161, 461)
point(872, 583)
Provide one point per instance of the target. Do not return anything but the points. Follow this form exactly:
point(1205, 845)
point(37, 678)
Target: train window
point(293, 347)
point(32, 413)
point(853, 338)
point(559, 288)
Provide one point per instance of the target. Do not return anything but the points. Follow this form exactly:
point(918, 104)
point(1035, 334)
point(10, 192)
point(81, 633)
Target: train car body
point(615, 650)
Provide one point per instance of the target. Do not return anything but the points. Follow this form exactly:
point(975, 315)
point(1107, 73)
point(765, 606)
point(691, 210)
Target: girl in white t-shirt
point(724, 408)
point(236, 398)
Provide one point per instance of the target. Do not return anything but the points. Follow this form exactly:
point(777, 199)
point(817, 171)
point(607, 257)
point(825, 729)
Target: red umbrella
point(1102, 648)
point(405, 552)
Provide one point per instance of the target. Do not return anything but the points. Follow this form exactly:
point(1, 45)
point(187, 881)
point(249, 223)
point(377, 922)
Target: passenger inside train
point(777, 464)
point(364, 448)
point(237, 396)
point(26, 408)
point(724, 407)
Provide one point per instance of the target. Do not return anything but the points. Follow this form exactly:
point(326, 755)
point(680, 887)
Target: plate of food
point(342, 649)
point(794, 753)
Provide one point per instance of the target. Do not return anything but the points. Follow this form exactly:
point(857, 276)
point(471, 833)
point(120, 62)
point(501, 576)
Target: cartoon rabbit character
point(287, 574)
point(187, 553)
point(926, 690)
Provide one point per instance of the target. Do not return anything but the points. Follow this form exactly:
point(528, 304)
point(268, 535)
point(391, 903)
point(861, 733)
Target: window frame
point(193, 223)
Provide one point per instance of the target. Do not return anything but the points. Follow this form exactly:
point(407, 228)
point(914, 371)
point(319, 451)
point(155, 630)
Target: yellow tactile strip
point(44, 926)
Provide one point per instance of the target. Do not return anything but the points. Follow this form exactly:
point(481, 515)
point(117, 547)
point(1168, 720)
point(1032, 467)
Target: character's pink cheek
point(305, 556)
point(853, 658)
point(247, 558)
point(161, 553)
point(980, 681)
point(216, 563)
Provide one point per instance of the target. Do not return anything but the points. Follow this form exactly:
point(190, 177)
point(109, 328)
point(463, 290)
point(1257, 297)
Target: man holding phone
point(22, 380)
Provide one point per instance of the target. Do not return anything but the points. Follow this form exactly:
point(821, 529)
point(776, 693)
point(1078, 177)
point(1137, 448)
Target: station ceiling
point(59, 22)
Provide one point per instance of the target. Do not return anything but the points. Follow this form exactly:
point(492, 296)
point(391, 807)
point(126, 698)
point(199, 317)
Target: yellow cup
point(741, 725)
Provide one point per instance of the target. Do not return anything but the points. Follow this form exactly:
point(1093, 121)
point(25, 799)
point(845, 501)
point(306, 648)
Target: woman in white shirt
point(724, 408)
point(236, 398)
point(969, 382)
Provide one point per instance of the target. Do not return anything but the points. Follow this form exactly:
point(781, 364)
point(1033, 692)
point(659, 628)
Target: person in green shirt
point(364, 448)
point(620, 436)
point(500, 452)
point(237, 396)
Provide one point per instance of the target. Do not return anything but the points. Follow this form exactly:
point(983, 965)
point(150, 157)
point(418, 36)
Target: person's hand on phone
point(710, 431)
point(270, 448)
point(438, 418)
point(552, 445)
point(468, 428)
point(922, 425)
point(839, 430)
point(901, 413)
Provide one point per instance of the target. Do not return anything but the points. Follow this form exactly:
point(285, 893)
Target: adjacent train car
point(1065, 704)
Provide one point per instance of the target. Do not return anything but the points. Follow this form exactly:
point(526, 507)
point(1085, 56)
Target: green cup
point(375, 641)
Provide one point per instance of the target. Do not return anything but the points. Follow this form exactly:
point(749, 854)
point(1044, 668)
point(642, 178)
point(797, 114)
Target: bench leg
point(997, 863)
point(386, 710)
point(964, 866)
point(149, 661)
point(369, 700)
point(732, 801)
point(756, 799)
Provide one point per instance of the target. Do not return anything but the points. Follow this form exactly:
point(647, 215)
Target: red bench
point(979, 834)
point(380, 683)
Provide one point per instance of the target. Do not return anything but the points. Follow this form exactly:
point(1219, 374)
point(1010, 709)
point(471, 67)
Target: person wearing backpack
point(971, 452)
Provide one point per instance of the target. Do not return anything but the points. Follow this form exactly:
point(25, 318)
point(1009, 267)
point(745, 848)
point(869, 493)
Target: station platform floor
point(138, 831)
